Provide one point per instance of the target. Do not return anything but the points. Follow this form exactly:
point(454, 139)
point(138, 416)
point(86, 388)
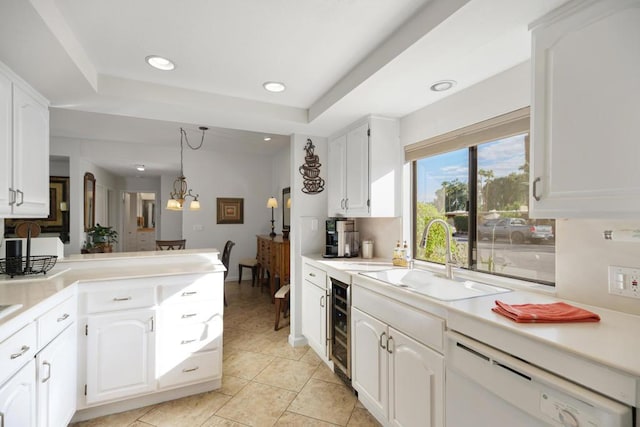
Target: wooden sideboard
point(273, 257)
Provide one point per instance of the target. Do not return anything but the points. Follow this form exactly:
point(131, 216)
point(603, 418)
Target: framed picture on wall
point(58, 208)
point(230, 210)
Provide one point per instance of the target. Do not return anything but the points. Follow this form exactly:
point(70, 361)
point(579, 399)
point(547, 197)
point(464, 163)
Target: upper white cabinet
point(24, 145)
point(365, 166)
point(585, 116)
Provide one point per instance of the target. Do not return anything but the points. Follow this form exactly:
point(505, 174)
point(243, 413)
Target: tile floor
point(266, 382)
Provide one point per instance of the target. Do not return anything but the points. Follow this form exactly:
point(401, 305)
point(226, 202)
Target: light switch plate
point(624, 281)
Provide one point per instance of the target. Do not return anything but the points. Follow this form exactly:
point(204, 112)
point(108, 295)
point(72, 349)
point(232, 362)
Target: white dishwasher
point(486, 387)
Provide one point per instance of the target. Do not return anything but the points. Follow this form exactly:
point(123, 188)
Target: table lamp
point(272, 203)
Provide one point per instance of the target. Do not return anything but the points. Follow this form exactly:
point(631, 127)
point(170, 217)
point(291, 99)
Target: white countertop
point(612, 342)
point(45, 291)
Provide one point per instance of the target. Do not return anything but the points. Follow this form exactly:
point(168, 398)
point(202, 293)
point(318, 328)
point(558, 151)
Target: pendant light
point(181, 189)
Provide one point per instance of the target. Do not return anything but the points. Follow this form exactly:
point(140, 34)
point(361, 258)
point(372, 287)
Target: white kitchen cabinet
point(190, 332)
point(585, 119)
point(314, 309)
point(397, 365)
point(364, 171)
point(56, 380)
point(24, 143)
point(18, 398)
point(120, 354)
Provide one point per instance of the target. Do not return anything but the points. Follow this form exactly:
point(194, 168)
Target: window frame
point(469, 137)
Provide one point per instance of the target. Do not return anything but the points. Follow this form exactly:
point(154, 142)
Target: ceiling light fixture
point(181, 189)
point(160, 63)
point(442, 85)
point(274, 86)
point(267, 138)
point(140, 168)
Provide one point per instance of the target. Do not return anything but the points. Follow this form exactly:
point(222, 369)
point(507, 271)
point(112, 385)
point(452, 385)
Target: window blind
point(503, 126)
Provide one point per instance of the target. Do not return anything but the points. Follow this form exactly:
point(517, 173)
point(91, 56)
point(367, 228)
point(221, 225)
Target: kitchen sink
point(435, 285)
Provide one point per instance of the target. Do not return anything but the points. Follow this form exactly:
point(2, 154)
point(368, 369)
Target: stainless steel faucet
point(448, 264)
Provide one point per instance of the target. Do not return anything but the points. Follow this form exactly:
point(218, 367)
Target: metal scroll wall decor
point(310, 171)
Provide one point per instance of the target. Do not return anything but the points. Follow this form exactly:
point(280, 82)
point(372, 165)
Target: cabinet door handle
point(48, 365)
point(152, 323)
point(186, 316)
point(312, 274)
point(346, 204)
point(12, 197)
point(1, 419)
point(187, 294)
point(186, 341)
point(63, 318)
point(122, 299)
point(191, 370)
point(535, 189)
point(389, 342)
point(21, 197)
point(322, 301)
point(22, 351)
point(382, 346)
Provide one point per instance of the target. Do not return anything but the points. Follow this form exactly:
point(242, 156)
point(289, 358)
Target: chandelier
point(181, 189)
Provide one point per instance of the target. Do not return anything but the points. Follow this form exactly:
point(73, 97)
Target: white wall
point(213, 175)
point(308, 216)
point(582, 255)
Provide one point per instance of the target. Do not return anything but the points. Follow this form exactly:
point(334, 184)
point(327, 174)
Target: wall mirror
point(286, 208)
point(89, 201)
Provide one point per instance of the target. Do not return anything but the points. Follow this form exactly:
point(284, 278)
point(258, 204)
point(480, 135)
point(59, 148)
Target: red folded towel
point(545, 313)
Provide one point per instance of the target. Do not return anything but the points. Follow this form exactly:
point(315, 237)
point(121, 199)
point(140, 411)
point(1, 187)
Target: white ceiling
point(340, 60)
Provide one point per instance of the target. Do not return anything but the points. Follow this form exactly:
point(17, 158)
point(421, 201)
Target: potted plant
point(103, 238)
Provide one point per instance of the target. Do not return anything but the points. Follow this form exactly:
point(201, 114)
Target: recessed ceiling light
point(160, 63)
point(274, 86)
point(442, 85)
point(140, 168)
point(267, 138)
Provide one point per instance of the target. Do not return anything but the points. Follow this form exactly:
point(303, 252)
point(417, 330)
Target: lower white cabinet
point(314, 309)
point(56, 380)
point(399, 380)
point(18, 398)
point(120, 354)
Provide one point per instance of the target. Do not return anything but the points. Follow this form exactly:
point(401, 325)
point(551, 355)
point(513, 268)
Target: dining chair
point(169, 245)
point(250, 263)
point(226, 255)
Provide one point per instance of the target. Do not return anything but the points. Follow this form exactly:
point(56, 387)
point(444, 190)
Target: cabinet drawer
point(17, 350)
point(201, 288)
point(314, 275)
point(417, 324)
point(189, 314)
point(56, 320)
point(198, 367)
point(120, 299)
point(178, 341)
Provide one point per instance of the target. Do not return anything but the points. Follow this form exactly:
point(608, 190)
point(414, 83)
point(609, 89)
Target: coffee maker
point(342, 240)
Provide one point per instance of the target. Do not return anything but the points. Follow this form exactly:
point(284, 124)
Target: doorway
point(139, 221)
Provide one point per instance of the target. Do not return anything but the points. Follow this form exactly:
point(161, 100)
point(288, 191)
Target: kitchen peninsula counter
point(38, 293)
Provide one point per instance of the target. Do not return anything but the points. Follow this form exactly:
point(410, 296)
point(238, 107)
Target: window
point(477, 180)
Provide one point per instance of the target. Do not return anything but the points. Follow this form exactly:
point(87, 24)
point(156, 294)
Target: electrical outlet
point(198, 227)
point(624, 281)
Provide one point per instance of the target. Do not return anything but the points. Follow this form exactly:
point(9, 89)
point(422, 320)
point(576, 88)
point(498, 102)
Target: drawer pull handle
point(122, 299)
point(186, 341)
point(186, 316)
point(63, 318)
point(23, 350)
point(312, 274)
point(48, 365)
point(186, 294)
point(191, 370)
